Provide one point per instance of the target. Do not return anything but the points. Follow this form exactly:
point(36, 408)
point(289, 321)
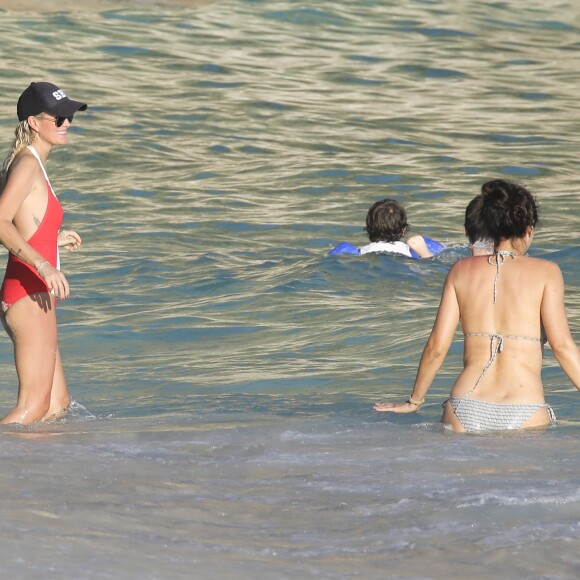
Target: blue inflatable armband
point(344, 248)
point(434, 246)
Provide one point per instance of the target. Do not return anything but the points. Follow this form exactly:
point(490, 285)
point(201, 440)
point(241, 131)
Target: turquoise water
point(223, 366)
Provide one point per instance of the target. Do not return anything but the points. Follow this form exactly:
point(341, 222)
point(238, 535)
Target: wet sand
point(90, 5)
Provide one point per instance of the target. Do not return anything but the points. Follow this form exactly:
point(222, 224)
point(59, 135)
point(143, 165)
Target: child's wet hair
point(386, 221)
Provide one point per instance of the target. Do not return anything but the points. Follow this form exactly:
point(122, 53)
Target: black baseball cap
point(46, 98)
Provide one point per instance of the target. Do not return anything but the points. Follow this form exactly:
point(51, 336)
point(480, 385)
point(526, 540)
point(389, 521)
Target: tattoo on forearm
point(15, 252)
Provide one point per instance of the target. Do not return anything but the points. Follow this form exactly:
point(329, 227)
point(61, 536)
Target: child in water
point(386, 225)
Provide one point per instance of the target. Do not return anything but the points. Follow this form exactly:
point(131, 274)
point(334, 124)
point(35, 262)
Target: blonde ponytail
point(23, 137)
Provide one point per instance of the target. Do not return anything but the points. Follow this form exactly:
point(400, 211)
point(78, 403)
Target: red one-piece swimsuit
point(20, 279)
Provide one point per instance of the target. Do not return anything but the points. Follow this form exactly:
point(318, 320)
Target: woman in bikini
point(507, 303)
point(30, 220)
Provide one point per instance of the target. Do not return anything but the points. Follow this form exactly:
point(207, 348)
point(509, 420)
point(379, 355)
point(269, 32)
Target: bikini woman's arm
point(21, 180)
point(434, 352)
point(556, 325)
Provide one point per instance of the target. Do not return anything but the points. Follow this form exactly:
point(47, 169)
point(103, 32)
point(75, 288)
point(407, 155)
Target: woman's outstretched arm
point(434, 352)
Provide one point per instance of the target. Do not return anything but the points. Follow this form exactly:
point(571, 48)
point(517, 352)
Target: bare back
point(514, 319)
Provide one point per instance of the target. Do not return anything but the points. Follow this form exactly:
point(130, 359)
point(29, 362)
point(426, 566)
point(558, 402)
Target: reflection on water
point(223, 365)
point(91, 6)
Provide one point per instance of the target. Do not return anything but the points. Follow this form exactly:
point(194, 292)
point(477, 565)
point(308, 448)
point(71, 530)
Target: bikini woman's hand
point(69, 240)
point(55, 280)
point(405, 407)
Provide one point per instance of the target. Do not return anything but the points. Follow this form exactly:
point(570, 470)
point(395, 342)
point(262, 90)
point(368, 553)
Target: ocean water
point(223, 366)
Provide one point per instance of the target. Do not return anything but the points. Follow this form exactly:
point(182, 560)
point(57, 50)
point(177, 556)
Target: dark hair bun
point(508, 209)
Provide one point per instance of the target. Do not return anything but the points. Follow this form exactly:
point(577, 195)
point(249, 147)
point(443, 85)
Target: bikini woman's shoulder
point(467, 265)
point(541, 262)
point(547, 267)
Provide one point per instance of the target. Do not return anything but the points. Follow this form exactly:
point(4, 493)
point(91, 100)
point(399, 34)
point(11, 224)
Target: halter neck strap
point(500, 258)
point(37, 156)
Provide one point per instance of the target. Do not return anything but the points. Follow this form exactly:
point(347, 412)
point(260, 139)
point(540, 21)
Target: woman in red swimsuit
point(30, 220)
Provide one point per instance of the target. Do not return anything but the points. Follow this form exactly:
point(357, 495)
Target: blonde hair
point(23, 137)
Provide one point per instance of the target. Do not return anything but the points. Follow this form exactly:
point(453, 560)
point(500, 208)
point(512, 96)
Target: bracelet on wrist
point(41, 266)
point(416, 403)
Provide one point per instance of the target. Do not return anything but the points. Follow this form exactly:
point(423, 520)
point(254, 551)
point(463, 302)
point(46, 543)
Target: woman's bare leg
point(32, 328)
point(59, 396)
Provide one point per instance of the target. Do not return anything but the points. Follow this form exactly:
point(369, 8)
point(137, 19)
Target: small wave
point(78, 413)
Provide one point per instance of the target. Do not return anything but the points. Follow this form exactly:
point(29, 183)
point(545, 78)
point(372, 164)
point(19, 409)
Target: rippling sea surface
point(223, 366)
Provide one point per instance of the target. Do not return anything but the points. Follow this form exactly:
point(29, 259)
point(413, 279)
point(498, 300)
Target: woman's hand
point(55, 280)
point(69, 240)
point(405, 407)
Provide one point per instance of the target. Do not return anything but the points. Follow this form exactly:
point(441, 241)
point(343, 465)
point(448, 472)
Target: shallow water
point(224, 366)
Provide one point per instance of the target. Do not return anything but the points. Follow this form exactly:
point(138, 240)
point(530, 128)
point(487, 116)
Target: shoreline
point(41, 6)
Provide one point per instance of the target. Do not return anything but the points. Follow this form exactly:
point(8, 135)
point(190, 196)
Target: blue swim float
point(347, 248)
